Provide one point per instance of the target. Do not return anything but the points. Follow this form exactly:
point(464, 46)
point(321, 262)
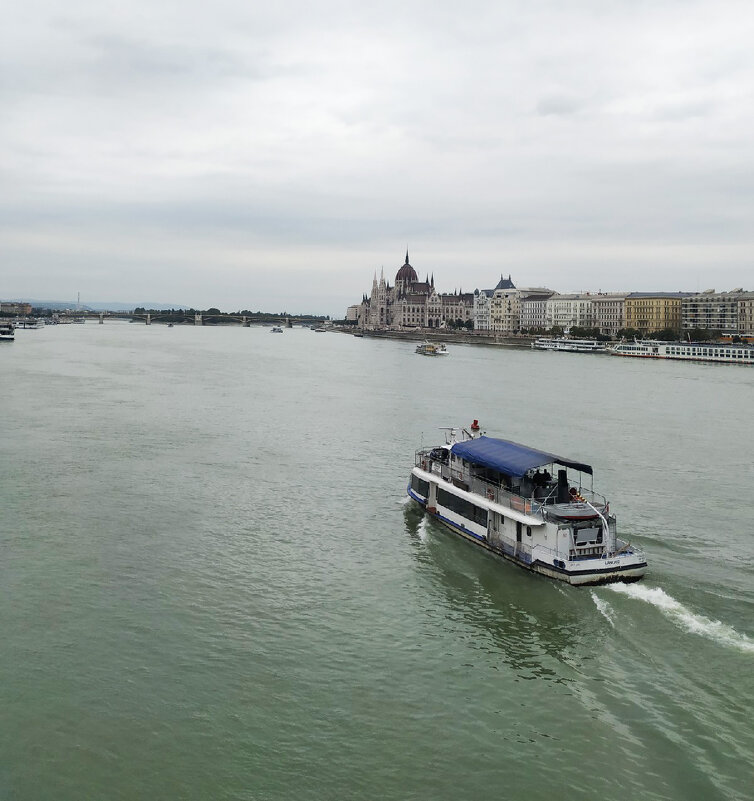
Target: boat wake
point(604, 608)
point(685, 618)
point(421, 530)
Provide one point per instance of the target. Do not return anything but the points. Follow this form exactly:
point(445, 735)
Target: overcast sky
point(273, 156)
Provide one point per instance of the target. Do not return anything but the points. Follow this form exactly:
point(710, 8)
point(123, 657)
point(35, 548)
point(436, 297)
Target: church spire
point(406, 255)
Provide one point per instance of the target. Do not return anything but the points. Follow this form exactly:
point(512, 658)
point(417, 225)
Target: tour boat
point(572, 345)
point(529, 506)
point(687, 351)
point(432, 349)
point(7, 332)
point(276, 330)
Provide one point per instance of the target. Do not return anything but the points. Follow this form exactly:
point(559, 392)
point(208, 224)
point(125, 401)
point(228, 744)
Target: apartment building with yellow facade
point(650, 312)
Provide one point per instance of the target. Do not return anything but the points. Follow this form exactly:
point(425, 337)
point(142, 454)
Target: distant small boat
point(358, 335)
point(276, 330)
point(7, 332)
point(319, 330)
point(432, 349)
point(170, 325)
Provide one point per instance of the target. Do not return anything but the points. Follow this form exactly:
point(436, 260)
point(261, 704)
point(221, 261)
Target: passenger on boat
point(439, 455)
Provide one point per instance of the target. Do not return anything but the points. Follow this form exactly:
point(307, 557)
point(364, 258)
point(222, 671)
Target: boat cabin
point(541, 486)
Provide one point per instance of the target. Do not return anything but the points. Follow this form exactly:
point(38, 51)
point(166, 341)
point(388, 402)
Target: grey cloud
point(558, 105)
point(539, 139)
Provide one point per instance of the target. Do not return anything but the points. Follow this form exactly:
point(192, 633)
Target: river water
point(212, 586)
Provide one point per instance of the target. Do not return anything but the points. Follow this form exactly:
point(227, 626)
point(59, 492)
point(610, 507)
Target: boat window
point(462, 507)
point(528, 531)
point(420, 486)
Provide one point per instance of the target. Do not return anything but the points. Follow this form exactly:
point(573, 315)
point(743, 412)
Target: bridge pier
point(149, 319)
point(245, 322)
point(198, 319)
point(101, 318)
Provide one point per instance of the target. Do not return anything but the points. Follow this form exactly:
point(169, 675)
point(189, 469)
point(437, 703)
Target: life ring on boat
point(490, 495)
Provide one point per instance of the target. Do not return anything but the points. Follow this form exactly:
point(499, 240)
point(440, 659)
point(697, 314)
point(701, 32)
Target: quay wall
point(435, 335)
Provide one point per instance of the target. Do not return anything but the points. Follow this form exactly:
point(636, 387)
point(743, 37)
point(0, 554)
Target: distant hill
point(57, 305)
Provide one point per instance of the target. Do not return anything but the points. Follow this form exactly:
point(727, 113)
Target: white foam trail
point(678, 613)
point(421, 530)
point(604, 608)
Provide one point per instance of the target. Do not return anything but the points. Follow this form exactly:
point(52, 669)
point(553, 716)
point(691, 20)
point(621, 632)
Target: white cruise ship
point(572, 345)
point(526, 505)
point(689, 351)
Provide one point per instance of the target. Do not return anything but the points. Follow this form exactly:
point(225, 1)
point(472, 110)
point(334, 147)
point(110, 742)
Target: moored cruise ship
point(572, 345)
point(689, 351)
point(529, 506)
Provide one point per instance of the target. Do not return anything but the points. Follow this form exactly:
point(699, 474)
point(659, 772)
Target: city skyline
point(264, 158)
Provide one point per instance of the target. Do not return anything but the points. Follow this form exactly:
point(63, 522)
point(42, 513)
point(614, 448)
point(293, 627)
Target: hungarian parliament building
point(506, 309)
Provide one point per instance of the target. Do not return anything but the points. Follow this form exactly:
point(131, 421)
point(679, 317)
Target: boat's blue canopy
point(510, 457)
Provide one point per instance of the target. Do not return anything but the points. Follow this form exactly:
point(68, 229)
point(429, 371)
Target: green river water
point(213, 588)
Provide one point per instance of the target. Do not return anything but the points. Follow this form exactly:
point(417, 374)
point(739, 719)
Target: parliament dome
point(406, 274)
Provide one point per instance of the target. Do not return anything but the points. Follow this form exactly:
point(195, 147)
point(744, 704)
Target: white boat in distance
point(432, 349)
point(29, 322)
point(276, 330)
point(7, 332)
point(573, 345)
point(687, 351)
point(493, 492)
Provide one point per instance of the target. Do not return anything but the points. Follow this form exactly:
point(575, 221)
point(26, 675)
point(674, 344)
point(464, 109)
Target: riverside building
point(649, 312)
point(609, 312)
point(411, 303)
point(483, 303)
point(716, 311)
point(534, 309)
point(746, 315)
point(567, 311)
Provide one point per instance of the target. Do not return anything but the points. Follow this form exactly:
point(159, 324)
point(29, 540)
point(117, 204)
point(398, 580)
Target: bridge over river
point(195, 318)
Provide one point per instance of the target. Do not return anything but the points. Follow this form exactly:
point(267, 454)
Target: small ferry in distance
point(29, 322)
point(529, 506)
point(432, 349)
point(276, 329)
point(687, 351)
point(572, 345)
point(7, 332)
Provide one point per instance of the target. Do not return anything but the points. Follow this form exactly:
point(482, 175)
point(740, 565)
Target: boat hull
point(586, 572)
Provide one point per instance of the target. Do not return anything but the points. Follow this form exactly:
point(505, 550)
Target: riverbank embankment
point(445, 335)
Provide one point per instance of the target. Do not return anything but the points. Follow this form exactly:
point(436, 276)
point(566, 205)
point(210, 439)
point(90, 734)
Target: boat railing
point(535, 503)
point(523, 551)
